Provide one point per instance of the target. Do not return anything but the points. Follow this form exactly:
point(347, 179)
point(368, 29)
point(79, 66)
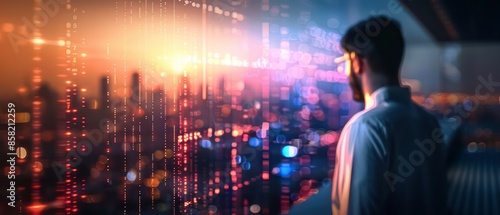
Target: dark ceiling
point(458, 20)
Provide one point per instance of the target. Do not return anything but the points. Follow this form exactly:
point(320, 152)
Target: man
point(390, 156)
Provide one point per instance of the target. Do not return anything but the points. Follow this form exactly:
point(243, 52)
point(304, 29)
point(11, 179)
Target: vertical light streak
point(68, 146)
point(265, 103)
point(37, 103)
point(125, 109)
point(72, 114)
point(204, 49)
point(152, 144)
point(68, 114)
point(136, 122)
point(61, 143)
point(177, 158)
point(164, 109)
point(115, 134)
point(152, 176)
point(83, 122)
point(285, 182)
point(105, 108)
point(68, 123)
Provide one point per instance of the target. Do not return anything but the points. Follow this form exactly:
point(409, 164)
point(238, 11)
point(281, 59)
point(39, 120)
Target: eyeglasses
point(342, 60)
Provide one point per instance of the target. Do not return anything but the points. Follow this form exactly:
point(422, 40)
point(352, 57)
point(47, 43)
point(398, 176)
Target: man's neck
point(377, 83)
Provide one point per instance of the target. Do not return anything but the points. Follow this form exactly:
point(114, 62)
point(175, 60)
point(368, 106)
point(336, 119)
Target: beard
point(357, 90)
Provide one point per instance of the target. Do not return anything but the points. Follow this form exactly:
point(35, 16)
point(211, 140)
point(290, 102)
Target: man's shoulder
point(375, 114)
point(366, 117)
point(386, 113)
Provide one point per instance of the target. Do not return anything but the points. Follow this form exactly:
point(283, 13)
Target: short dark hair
point(379, 40)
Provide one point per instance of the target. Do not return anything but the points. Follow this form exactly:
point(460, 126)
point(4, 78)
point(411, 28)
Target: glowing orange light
point(37, 166)
point(151, 182)
point(178, 65)
point(235, 133)
point(219, 133)
point(38, 41)
point(37, 208)
point(265, 176)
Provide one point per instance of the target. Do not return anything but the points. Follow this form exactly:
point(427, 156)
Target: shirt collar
point(388, 93)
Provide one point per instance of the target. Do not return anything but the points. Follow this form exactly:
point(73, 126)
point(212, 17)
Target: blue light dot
point(254, 142)
point(285, 170)
point(313, 137)
point(131, 176)
point(246, 166)
point(290, 151)
point(206, 144)
point(468, 105)
point(237, 158)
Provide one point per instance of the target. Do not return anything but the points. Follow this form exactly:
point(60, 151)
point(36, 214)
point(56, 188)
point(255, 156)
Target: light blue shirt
point(390, 159)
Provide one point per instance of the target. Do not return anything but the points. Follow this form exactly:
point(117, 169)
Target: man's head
point(374, 50)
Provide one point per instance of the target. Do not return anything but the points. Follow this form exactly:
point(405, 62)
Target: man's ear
point(356, 63)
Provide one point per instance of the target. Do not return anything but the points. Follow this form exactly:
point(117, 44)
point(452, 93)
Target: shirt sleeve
point(368, 190)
